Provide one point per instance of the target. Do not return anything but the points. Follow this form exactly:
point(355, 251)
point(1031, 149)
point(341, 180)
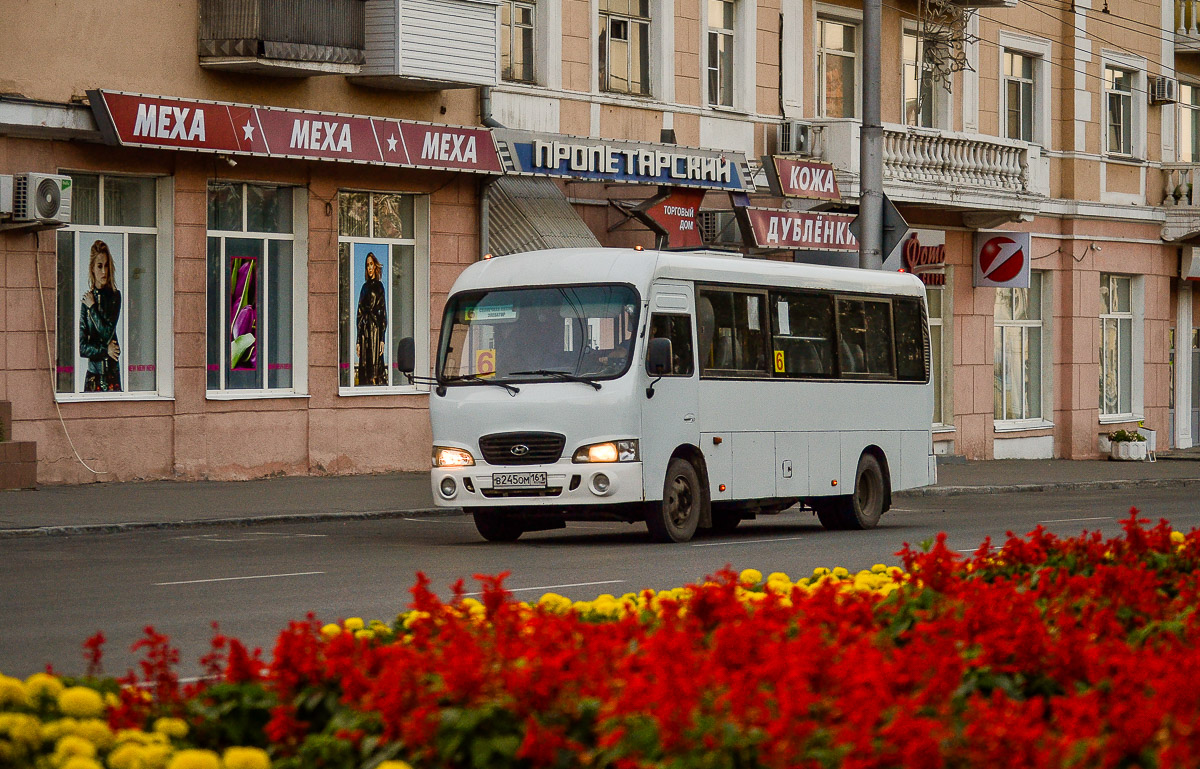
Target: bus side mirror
point(658, 356)
point(406, 355)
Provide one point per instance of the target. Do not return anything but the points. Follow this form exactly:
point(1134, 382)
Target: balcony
point(991, 180)
point(1181, 201)
point(1187, 26)
point(283, 38)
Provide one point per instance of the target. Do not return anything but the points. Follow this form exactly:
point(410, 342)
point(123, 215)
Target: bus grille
point(522, 448)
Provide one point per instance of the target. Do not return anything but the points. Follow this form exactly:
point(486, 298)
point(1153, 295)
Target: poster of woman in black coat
point(99, 316)
point(371, 346)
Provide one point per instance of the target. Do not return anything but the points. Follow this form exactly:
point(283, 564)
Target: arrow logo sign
point(1002, 259)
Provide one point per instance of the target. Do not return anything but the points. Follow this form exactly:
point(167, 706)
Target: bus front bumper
point(565, 483)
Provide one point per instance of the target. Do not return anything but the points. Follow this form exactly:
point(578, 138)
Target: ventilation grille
point(522, 448)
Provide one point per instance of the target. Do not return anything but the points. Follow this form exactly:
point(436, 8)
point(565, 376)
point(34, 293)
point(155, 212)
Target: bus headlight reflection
point(609, 451)
point(448, 456)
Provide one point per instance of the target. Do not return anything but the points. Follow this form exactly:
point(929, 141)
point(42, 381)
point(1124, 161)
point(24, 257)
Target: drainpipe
point(485, 118)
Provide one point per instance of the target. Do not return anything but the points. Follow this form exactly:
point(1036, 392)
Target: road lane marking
point(249, 537)
point(1072, 520)
point(745, 542)
point(231, 579)
point(554, 587)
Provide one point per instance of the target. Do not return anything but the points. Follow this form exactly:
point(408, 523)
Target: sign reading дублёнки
point(574, 157)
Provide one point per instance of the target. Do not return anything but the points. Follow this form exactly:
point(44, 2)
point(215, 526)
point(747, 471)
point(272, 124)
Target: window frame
point(942, 104)
point(1027, 92)
point(1127, 367)
point(687, 325)
point(1125, 99)
point(1023, 326)
point(163, 231)
point(299, 240)
point(825, 15)
point(422, 326)
point(1188, 109)
point(605, 19)
point(1038, 49)
point(511, 35)
point(726, 78)
point(939, 375)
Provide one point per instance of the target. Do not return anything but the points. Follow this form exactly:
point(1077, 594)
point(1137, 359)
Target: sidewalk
point(114, 507)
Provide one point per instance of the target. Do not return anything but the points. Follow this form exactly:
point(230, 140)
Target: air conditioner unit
point(42, 198)
point(720, 228)
point(6, 184)
point(794, 139)
point(1164, 90)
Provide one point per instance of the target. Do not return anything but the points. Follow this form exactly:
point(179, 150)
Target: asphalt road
point(57, 591)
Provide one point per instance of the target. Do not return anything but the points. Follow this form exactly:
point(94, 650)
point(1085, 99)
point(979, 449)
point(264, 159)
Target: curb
point(256, 520)
point(1020, 488)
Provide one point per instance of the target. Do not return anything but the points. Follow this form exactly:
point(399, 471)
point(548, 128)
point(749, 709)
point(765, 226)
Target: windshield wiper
point(485, 380)
point(565, 376)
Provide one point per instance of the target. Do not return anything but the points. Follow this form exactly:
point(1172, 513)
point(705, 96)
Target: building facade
point(259, 210)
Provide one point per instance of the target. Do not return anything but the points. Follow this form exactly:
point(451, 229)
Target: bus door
point(669, 417)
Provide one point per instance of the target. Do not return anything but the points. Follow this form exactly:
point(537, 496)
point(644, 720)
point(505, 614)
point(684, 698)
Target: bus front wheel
point(862, 509)
point(497, 525)
point(675, 518)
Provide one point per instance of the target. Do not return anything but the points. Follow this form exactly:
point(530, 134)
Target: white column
point(1183, 365)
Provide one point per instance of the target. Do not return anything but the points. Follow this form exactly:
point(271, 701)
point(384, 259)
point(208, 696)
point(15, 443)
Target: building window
point(383, 272)
point(837, 65)
point(1116, 345)
point(720, 52)
point(1018, 351)
point(921, 91)
point(108, 283)
point(934, 300)
point(625, 46)
point(1018, 96)
point(251, 292)
point(1118, 99)
point(516, 40)
point(1189, 123)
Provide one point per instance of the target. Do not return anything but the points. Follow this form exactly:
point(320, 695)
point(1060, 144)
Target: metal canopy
point(527, 213)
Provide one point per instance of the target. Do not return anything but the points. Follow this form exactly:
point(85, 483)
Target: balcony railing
point(282, 37)
point(1181, 200)
point(1187, 25)
point(958, 170)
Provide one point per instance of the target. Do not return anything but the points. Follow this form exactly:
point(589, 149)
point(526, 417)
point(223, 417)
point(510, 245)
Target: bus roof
point(561, 266)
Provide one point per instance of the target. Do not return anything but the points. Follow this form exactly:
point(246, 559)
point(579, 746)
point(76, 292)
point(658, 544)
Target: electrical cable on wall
point(50, 361)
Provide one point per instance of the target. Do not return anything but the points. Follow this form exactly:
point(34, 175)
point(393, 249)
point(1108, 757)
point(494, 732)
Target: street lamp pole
point(870, 162)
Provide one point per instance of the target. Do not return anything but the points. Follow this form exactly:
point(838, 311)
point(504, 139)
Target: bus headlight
point(609, 451)
point(448, 456)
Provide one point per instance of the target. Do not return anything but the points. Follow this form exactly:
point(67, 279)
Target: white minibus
point(684, 390)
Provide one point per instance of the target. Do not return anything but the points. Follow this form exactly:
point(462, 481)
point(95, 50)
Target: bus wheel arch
point(881, 458)
point(685, 505)
point(862, 508)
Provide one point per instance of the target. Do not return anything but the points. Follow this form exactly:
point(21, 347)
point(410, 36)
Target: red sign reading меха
point(239, 129)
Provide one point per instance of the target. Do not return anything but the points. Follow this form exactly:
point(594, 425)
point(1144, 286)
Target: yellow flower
point(43, 685)
point(841, 572)
point(195, 759)
point(127, 756)
point(393, 765)
point(12, 691)
point(171, 727)
point(820, 571)
point(331, 631)
point(246, 758)
point(71, 745)
point(750, 577)
point(80, 702)
point(22, 728)
point(96, 731)
point(354, 623)
point(364, 635)
point(80, 762)
point(155, 756)
point(879, 568)
point(1177, 537)
point(52, 731)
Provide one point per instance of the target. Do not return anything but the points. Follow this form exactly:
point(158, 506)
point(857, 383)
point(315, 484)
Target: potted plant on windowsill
point(1127, 444)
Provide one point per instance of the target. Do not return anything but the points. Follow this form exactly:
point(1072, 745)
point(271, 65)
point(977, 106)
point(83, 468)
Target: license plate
point(518, 480)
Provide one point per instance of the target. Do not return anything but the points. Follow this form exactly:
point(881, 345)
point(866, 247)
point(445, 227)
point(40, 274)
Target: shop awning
point(528, 213)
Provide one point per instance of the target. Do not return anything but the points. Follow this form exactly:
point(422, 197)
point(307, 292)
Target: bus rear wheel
point(863, 508)
point(496, 525)
point(675, 518)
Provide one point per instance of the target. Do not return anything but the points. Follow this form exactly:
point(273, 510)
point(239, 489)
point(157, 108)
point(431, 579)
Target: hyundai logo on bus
point(1001, 259)
point(519, 450)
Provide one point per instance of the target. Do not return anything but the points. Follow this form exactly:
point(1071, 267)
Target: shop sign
point(775, 228)
point(1002, 259)
point(811, 179)
point(924, 254)
point(136, 120)
point(601, 160)
point(673, 214)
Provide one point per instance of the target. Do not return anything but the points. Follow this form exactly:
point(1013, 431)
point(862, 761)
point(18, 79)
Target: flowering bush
point(1044, 652)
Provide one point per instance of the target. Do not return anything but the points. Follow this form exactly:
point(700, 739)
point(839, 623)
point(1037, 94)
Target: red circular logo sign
point(1001, 259)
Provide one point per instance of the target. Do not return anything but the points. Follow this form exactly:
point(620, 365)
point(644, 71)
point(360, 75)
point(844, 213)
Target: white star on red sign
point(248, 131)
point(392, 143)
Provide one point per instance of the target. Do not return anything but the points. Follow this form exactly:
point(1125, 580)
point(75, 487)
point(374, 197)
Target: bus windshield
point(544, 332)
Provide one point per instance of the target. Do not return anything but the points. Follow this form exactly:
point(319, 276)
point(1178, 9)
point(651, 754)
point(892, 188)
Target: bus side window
point(864, 338)
point(677, 328)
point(738, 333)
point(802, 332)
point(912, 343)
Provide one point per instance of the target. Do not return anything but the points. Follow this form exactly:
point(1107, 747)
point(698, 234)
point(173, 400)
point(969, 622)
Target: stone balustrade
point(1179, 184)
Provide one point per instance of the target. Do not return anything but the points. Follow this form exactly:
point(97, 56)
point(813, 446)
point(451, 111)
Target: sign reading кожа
point(811, 179)
point(164, 122)
point(775, 228)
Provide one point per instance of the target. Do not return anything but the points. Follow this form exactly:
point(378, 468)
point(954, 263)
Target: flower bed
point(1045, 652)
